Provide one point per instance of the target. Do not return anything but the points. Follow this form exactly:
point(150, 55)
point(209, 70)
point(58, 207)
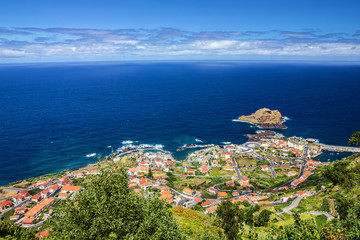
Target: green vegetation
point(355, 139)
point(262, 162)
point(79, 182)
point(195, 225)
point(106, 209)
point(10, 231)
point(8, 214)
point(291, 155)
point(246, 161)
point(35, 191)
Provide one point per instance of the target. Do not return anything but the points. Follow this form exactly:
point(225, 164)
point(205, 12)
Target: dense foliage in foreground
point(106, 209)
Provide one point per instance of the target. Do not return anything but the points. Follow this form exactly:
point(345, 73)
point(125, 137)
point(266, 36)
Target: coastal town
point(268, 170)
point(263, 172)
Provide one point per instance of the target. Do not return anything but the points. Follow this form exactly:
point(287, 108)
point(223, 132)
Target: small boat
point(91, 155)
point(127, 142)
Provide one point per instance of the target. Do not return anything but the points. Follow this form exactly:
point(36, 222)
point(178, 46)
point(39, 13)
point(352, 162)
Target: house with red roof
point(207, 203)
point(235, 194)
point(24, 193)
point(222, 194)
point(43, 234)
point(159, 163)
point(66, 182)
point(244, 179)
point(211, 210)
point(44, 185)
point(28, 221)
point(36, 198)
point(70, 189)
point(212, 190)
point(230, 183)
point(21, 210)
point(188, 191)
point(17, 199)
point(14, 217)
point(6, 204)
point(78, 174)
point(264, 167)
point(301, 193)
point(54, 188)
point(44, 193)
point(228, 168)
point(204, 169)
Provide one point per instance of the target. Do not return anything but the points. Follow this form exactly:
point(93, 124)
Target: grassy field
point(246, 161)
point(215, 171)
point(180, 184)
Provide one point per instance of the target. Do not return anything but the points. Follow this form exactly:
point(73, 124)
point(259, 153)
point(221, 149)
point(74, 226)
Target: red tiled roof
point(5, 203)
point(24, 193)
point(28, 220)
point(222, 194)
point(71, 188)
point(206, 203)
point(44, 233)
point(37, 196)
point(18, 196)
point(212, 209)
point(54, 187)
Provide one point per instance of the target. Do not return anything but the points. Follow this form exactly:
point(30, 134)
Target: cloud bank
point(56, 43)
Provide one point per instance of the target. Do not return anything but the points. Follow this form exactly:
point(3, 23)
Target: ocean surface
point(53, 115)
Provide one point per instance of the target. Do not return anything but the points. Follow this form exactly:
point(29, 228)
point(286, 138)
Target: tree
point(355, 139)
point(262, 218)
point(228, 218)
point(150, 174)
point(10, 231)
point(106, 209)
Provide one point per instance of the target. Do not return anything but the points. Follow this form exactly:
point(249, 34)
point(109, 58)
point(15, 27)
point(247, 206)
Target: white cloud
point(172, 42)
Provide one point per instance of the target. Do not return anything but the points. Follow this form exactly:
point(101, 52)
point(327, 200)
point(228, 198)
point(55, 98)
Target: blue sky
point(127, 30)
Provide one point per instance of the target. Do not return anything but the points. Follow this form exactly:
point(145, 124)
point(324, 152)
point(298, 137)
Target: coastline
point(93, 166)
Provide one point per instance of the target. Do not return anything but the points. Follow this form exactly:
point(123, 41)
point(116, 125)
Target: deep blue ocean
point(52, 115)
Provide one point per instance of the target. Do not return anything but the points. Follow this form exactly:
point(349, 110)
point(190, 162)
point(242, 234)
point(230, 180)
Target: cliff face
point(263, 116)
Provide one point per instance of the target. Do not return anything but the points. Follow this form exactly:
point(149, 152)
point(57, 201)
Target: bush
point(106, 209)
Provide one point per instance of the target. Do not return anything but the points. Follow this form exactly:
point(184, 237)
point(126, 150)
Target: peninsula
point(265, 118)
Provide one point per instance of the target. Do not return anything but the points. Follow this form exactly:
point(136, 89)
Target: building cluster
point(282, 148)
point(159, 161)
point(29, 209)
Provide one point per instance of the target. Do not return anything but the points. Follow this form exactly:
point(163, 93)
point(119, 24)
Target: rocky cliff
point(263, 116)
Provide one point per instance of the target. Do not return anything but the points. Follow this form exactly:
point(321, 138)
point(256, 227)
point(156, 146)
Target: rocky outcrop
point(265, 118)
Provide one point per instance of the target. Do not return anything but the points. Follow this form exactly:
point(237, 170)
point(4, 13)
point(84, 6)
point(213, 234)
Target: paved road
point(273, 173)
point(328, 215)
point(236, 168)
point(14, 189)
point(293, 205)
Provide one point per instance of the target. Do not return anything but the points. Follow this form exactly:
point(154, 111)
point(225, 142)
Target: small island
point(265, 118)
